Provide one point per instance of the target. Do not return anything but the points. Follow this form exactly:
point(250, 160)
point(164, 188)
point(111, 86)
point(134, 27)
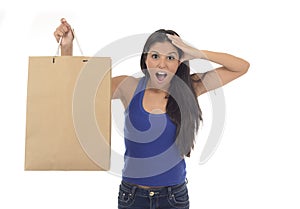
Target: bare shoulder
point(126, 78)
point(123, 87)
point(123, 82)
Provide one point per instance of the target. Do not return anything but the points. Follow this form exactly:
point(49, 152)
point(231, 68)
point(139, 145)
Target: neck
point(156, 89)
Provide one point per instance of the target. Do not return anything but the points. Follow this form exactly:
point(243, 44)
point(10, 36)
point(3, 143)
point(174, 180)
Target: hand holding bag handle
point(59, 45)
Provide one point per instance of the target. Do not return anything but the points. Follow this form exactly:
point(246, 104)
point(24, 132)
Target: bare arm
point(232, 66)
point(122, 86)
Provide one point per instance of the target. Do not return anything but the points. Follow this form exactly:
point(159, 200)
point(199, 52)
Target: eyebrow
point(153, 51)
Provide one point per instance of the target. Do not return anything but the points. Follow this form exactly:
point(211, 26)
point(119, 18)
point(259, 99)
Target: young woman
point(162, 116)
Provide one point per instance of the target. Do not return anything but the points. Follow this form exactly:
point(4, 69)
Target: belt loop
point(133, 190)
point(169, 190)
point(186, 181)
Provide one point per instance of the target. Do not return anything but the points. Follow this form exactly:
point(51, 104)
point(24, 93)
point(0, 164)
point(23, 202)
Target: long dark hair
point(182, 106)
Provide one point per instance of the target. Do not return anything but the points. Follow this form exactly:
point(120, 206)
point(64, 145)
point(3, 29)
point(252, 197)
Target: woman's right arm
point(122, 86)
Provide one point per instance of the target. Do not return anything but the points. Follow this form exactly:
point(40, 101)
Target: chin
point(160, 84)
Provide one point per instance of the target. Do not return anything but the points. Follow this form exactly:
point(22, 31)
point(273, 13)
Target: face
point(162, 62)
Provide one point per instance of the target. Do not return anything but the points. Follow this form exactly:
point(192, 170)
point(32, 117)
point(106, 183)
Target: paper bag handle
point(75, 37)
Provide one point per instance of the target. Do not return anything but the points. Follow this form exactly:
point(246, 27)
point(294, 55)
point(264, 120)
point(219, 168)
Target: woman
point(162, 116)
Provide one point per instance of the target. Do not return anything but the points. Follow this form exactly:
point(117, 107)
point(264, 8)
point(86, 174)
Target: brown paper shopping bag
point(68, 113)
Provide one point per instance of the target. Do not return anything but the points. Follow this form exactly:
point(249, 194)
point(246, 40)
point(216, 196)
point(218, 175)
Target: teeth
point(161, 73)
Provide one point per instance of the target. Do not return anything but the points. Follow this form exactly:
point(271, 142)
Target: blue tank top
point(151, 157)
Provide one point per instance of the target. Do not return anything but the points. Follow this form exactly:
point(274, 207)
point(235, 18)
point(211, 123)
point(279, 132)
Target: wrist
point(201, 54)
point(67, 50)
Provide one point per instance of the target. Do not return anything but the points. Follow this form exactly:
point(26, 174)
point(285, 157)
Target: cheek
point(173, 67)
point(151, 64)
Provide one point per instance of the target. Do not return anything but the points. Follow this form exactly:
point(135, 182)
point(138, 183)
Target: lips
point(161, 75)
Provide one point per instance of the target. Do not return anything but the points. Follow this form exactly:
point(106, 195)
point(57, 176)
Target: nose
point(162, 63)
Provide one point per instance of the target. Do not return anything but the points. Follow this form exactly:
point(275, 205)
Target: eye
point(171, 57)
point(154, 56)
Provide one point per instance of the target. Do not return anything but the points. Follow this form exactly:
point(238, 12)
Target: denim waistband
point(161, 191)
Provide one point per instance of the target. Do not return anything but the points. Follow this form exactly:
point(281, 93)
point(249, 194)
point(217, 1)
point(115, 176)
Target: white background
point(257, 162)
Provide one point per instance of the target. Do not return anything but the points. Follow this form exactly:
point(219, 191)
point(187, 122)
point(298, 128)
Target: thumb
point(63, 20)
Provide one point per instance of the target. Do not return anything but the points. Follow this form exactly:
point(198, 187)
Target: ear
point(145, 60)
point(180, 61)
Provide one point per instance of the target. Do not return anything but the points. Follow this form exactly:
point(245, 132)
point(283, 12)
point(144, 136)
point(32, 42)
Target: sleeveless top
point(151, 157)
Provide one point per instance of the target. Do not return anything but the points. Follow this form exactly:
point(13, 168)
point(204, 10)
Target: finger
point(65, 23)
point(178, 43)
point(60, 31)
point(173, 37)
point(63, 20)
point(170, 36)
point(176, 40)
point(57, 36)
point(65, 29)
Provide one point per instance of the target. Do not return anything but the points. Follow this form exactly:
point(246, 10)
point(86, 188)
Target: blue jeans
point(134, 197)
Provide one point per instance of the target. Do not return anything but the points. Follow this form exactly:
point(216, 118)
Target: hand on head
point(189, 52)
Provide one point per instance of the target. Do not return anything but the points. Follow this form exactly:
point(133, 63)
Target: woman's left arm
point(231, 68)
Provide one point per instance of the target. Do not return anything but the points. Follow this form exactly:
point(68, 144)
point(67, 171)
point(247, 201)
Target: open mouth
point(161, 75)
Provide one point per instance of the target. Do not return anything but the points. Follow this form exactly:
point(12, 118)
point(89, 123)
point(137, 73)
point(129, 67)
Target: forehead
point(163, 48)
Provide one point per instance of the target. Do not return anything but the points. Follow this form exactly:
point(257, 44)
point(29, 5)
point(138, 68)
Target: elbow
point(245, 67)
